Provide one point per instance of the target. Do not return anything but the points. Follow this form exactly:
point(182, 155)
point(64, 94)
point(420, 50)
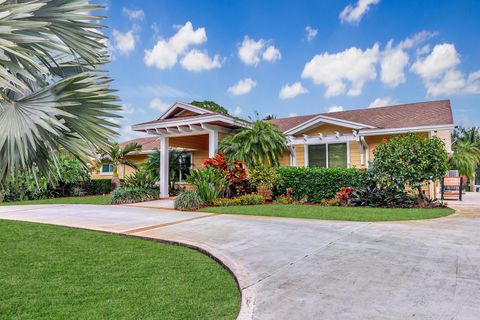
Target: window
point(333, 155)
point(184, 166)
point(106, 169)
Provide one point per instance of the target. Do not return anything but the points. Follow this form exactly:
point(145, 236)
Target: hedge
point(96, 186)
point(317, 184)
point(133, 195)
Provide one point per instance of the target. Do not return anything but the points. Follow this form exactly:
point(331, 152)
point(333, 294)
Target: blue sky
point(293, 57)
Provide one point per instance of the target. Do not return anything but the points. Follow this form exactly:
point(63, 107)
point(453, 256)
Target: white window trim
point(108, 173)
point(307, 164)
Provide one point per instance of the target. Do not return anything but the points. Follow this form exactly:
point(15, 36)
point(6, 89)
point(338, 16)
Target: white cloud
point(165, 53)
point(440, 75)
point(272, 54)
point(158, 104)
point(291, 91)
point(133, 14)
point(444, 57)
point(354, 13)
point(334, 70)
point(123, 42)
point(251, 52)
point(394, 61)
point(311, 33)
point(293, 114)
point(382, 102)
point(127, 133)
point(242, 87)
point(395, 58)
point(336, 109)
point(197, 60)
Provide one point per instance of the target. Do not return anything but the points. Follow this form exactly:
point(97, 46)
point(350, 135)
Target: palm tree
point(118, 156)
point(261, 143)
point(53, 94)
point(466, 152)
point(176, 166)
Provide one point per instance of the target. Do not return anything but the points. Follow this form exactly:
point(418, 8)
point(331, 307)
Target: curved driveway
point(313, 269)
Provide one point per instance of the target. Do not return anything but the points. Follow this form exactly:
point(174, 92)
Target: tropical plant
point(52, 94)
point(176, 166)
point(409, 161)
point(210, 105)
point(209, 183)
point(140, 179)
point(234, 172)
point(118, 156)
point(259, 144)
point(188, 200)
point(466, 152)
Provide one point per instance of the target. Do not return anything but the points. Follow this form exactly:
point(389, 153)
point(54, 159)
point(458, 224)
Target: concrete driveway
point(313, 269)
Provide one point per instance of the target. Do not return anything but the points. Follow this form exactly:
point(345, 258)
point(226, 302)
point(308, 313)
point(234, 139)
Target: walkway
point(312, 269)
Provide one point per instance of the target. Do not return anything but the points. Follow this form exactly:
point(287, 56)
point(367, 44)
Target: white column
point(164, 164)
point(305, 156)
point(212, 143)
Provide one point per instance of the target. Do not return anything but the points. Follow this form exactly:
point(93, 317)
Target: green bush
point(209, 182)
point(132, 195)
point(317, 184)
point(245, 200)
point(188, 200)
point(264, 176)
point(139, 179)
point(97, 186)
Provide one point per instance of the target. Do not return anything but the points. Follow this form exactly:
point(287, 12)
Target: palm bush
point(209, 183)
point(52, 92)
point(118, 156)
point(261, 143)
point(139, 179)
point(466, 152)
point(188, 200)
point(175, 166)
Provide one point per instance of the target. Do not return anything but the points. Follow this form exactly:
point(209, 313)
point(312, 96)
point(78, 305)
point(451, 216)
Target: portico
point(189, 127)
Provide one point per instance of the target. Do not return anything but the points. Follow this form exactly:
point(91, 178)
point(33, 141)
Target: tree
point(176, 165)
point(210, 105)
point(466, 152)
point(118, 156)
point(269, 117)
point(259, 144)
point(409, 161)
point(52, 94)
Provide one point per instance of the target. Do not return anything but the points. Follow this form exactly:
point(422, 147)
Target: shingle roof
point(148, 143)
point(418, 114)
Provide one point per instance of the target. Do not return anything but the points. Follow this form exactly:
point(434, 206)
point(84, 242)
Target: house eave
point(326, 119)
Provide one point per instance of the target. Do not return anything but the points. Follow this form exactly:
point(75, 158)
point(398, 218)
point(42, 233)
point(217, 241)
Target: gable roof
point(420, 114)
point(148, 143)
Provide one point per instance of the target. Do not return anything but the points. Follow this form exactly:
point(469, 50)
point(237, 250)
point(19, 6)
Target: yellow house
point(337, 139)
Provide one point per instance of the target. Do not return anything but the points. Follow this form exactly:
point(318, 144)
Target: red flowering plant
point(234, 172)
point(344, 195)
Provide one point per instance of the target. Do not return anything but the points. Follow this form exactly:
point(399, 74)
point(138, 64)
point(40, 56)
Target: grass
point(50, 272)
point(68, 200)
point(333, 213)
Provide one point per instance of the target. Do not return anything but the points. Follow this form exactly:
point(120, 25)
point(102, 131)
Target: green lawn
point(69, 200)
point(50, 272)
point(332, 213)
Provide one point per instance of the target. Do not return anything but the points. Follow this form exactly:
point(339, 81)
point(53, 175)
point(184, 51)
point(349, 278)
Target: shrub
point(77, 192)
point(132, 195)
point(233, 171)
point(139, 179)
point(97, 186)
point(209, 182)
point(409, 161)
point(245, 200)
point(188, 200)
point(317, 184)
point(264, 176)
point(343, 196)
point(385, 197)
